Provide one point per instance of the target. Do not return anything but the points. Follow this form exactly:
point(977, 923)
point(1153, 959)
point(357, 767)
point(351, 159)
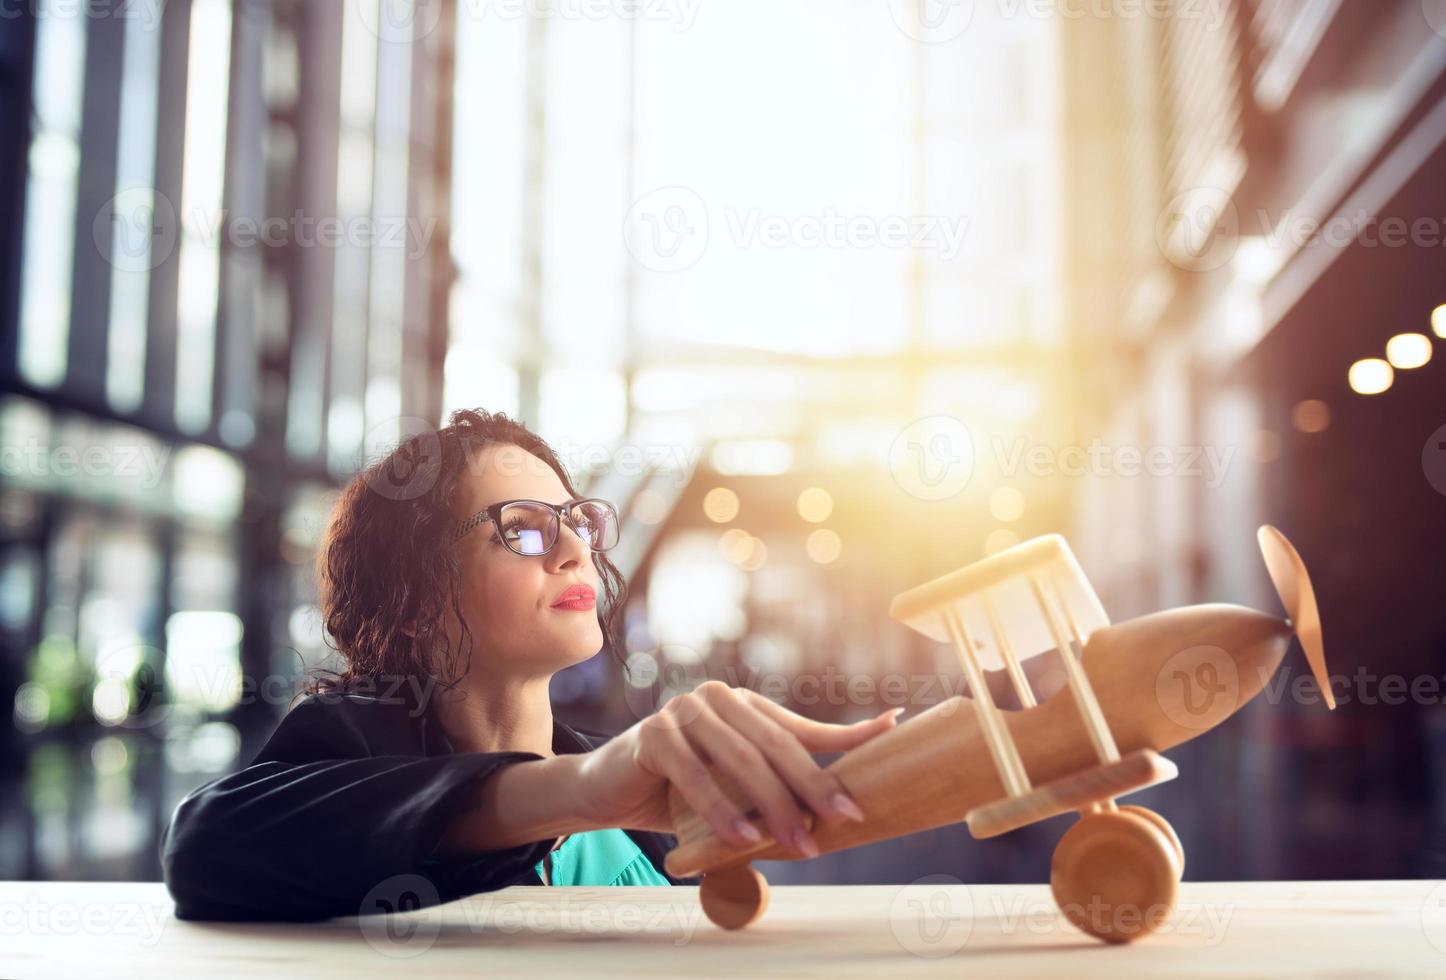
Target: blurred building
point(209, 310)
point(805, 302)
point(1258, 208)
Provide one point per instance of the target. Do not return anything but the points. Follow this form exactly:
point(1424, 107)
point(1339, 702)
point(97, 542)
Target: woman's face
point(508, 599)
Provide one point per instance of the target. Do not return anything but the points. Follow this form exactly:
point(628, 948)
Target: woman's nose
point(569, 551)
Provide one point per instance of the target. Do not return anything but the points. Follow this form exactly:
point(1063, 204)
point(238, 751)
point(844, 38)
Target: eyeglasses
point(530, 527)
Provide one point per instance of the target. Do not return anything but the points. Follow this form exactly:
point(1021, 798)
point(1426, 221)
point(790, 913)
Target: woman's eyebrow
point(555, 503)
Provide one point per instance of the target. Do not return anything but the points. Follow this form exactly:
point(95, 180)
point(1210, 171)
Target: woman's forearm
point(518, 804)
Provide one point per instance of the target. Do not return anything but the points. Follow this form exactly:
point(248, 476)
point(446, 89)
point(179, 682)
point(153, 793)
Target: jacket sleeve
point(318, 827)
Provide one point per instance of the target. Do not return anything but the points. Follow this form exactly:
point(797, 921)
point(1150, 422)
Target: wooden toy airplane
point(1134, 689)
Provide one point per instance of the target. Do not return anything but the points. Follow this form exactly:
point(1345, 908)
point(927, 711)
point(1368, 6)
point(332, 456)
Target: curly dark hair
point(384, 563)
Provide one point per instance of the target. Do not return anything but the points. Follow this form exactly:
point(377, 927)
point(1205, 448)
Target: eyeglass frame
point(493, 513)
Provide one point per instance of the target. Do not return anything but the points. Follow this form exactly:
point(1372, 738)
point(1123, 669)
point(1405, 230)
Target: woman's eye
point(522, 538)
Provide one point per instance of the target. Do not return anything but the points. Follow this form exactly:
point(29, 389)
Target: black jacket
point(345, 803)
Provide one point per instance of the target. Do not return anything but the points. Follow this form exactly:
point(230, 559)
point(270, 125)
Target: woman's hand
point(763, 747)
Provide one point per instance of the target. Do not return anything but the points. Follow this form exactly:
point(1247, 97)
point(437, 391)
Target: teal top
point(602, 857)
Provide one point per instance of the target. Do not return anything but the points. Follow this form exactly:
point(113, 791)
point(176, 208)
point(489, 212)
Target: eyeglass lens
point(531, 529)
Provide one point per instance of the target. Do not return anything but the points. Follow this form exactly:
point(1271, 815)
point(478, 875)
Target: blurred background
point(831, 298)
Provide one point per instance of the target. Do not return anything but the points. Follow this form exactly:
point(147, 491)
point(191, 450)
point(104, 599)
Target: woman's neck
point(488, 715)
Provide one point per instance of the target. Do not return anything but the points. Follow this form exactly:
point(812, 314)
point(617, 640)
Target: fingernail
point(893, 712)
point(803, 841)
point(846, 806)
point(747, 831)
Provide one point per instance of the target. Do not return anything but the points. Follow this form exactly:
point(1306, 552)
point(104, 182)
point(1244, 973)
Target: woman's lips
point(577, 597)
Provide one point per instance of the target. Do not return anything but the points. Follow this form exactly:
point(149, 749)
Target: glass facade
point(191, 370)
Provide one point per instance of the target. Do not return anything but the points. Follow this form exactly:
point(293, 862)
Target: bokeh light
point(1408, 350)
point(650, 506)
point(721, 505)
point(1370, 376)
point(815, 505)
point(1006, 504)
point(824, 546)
point(1311, 415)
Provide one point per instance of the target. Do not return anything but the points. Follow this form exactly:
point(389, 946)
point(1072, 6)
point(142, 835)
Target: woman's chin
point(582, 641)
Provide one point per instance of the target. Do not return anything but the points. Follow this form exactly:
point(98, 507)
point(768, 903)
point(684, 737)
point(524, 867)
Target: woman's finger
point(677, 762)
point(818, 787)
point(750, 769)
point(820, 736)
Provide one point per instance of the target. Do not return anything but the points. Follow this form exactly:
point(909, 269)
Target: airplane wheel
point(1113, 876)
point(1169, 832)
point(734, 897)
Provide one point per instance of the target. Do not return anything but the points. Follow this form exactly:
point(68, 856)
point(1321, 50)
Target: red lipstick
point(577, 597)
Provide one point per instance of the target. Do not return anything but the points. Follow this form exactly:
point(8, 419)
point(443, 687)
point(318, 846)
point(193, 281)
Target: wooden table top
point(933, 927)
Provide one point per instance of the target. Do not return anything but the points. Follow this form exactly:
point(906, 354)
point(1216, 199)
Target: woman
point(456, 577)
